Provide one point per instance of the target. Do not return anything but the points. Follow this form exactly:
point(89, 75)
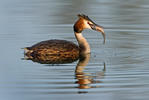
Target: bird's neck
point(82, 63)
point(83, 44)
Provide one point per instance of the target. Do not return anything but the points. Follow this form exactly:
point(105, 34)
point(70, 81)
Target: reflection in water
point(85, 80)
point(47, 59)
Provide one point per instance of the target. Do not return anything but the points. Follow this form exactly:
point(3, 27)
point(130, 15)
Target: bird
point(58, 51)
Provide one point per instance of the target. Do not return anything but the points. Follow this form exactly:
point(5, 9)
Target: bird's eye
point(89, 23)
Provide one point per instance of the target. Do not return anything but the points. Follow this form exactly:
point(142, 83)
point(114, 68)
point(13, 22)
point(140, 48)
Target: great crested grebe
point(62, 50)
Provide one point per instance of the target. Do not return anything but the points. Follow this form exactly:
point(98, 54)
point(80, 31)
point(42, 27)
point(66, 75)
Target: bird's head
point(84, 22)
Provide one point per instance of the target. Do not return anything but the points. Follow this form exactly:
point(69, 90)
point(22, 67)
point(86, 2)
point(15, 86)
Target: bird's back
point(53, 50)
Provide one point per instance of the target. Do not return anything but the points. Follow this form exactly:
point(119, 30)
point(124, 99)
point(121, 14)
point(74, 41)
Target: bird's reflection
point(46, 59)
point(84, 80)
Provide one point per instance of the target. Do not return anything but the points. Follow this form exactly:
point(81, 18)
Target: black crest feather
point(85, 17)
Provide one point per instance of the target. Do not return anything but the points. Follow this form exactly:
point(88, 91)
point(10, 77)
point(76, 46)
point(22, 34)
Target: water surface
point(125, 55)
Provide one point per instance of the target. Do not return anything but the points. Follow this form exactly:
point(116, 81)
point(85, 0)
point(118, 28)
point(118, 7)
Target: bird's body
point(53, 51)
point(58, 51)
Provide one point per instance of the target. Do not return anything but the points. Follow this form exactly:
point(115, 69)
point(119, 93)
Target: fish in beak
point(99, 29)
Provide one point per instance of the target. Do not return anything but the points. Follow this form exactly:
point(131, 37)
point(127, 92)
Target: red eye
point(89, 23)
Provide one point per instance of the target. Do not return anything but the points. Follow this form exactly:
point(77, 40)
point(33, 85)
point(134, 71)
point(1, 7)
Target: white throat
point(83, 44)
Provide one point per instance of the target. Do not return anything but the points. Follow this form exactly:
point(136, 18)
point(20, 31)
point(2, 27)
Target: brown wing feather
point(54, 50)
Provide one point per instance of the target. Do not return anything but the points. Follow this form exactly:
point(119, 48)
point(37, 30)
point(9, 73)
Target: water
point(125, 55)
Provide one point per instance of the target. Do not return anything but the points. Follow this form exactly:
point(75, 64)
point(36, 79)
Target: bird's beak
point(99, 29)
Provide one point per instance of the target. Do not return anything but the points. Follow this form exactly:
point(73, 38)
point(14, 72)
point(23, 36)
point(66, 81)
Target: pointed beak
point(99, 29)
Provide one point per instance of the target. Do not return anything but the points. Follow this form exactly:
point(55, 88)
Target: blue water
point(125, 55)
